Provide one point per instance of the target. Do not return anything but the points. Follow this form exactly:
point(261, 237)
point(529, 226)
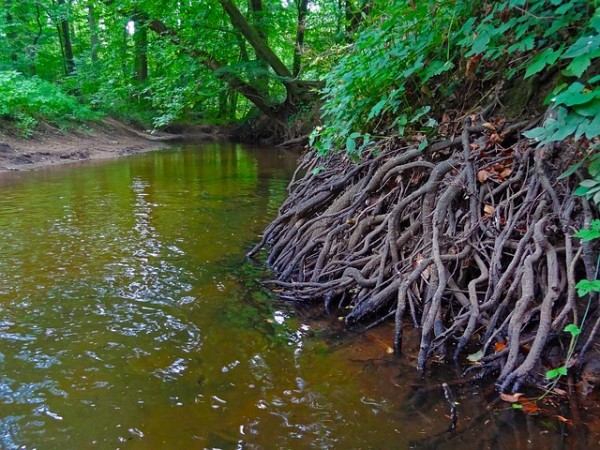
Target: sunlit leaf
point(587, 234)
point(551, 374)
point(573, 329)
point(584, 287)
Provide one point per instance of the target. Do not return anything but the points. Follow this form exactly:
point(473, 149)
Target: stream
point(129, 319)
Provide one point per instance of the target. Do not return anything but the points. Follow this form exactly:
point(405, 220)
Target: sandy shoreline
point(53, 147)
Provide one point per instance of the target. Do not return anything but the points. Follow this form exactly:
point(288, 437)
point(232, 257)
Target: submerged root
point(469, 239)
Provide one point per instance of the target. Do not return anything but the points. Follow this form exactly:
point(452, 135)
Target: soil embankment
point(50, 146)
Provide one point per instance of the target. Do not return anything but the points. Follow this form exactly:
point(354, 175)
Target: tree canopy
point(171, 60)
point(382, 67)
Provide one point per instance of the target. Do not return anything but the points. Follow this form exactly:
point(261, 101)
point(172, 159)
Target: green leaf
point(574, 96)
point(558, 89)
point(578, 65)
point(589, 109)
point(535, 133)
point(516, 406)
point(422, 145)
point(571, 170)
point(583, 45)
point(375, 110)
point(593, 129)
point(587, 234)
point(480, 45)
point(573, 329)
point(420, 113)
point(584, 287)
point(350, 145)
point(540, 61)
point(474, 357)
point(556, 372)
point(581, 191)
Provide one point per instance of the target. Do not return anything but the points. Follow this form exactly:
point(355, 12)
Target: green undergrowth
point(419, 59)
point(28, 101)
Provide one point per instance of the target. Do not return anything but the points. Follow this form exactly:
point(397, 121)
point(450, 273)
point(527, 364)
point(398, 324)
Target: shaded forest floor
point(50, 146)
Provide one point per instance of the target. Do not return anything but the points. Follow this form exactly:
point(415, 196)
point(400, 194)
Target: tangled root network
point(470, 239)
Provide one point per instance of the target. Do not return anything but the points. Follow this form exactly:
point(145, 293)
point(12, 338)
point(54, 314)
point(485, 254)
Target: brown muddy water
point(129, 319)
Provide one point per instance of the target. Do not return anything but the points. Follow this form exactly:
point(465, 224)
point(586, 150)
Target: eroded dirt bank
point(50, 146)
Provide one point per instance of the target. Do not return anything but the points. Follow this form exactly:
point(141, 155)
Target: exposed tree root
point(470, 239)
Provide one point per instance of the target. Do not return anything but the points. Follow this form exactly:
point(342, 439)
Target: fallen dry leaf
point(472, 64)
point(489, 210)
point(496, 138)
point(483, 175)
point(488, 126)
point(511, 398)
point(499, 346)
point(505, 173)
point(530, 408)
point(564, 419)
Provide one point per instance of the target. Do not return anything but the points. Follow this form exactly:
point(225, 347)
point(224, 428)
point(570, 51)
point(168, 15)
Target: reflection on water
point(129, 321)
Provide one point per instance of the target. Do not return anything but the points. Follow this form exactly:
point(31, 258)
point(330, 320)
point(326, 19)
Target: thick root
point(470, 239)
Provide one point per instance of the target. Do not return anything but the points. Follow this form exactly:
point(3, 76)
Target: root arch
point(471, 240)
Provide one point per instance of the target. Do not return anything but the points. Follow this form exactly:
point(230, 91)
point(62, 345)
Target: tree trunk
point(300, 30)
point(140, 38)
point(261, 48)
point(93, 32)
point(261, 77)
point(10, 33)
point(258, 18)
point(297, 91)
point(65, 35)
point(258, 98)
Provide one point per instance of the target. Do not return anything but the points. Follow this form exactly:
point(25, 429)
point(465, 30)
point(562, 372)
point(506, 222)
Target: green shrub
point(406, 64)
point(26, 101)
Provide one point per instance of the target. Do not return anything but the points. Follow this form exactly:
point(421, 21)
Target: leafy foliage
point(376, 85)
point(159, 63)
point(411, 58)
point(29, 100)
